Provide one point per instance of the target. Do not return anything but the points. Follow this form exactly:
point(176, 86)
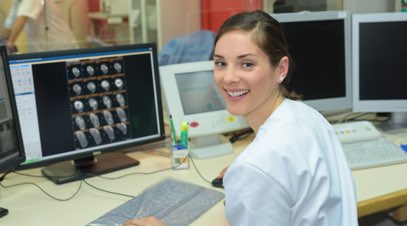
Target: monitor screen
point(319, 43)
point(11, 150)
point(379, 70)
point(192, 96)
point(76, 104)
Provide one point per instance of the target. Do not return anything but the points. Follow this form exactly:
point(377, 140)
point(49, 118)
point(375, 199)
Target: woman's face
point(244, 75)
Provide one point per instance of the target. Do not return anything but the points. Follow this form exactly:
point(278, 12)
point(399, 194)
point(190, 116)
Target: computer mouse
point(217, 182)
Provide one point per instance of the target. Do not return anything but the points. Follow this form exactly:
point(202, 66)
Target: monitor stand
point(79, 169)
point(210, 146)
point(398, 120)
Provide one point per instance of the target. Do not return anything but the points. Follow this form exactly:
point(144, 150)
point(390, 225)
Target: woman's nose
point(231, 75)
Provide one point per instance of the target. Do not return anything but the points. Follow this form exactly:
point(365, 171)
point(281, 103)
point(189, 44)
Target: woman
point(294, 172)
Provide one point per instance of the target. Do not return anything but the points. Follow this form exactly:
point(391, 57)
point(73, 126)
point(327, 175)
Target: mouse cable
point(197, 170)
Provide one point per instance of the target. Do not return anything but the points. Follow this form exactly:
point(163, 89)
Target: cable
point(93, 186)
point(110, 192)
point(134, 173)
point(27, 175)
point(5, 174)
point(197, 170)
point(45, 192)
point(353, 116)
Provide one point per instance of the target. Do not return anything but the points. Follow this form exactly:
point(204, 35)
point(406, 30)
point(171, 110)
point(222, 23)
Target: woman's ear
point(283, 69)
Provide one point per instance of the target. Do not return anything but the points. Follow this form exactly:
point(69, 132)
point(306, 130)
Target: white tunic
point(294, 173)
point(45, 28)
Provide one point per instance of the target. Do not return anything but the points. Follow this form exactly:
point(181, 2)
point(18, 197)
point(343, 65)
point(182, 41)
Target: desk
point(378, 189)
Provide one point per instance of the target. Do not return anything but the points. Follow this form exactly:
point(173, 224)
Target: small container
point(179, 157)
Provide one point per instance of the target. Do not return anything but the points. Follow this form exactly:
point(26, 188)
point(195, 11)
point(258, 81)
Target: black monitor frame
point(9, 159)
point(320, 45)
point(12, 159)
point(93, 161)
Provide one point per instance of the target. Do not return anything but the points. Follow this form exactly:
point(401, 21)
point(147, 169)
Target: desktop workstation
point(378, 189)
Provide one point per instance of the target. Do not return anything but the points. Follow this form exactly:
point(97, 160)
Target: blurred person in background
point(43, 24)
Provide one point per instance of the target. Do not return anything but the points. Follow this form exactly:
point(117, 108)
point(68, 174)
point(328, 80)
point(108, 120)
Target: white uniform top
point(294, 173)
point(45, 28)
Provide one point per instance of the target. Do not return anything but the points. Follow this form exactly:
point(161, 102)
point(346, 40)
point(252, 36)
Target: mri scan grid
point(98, 98)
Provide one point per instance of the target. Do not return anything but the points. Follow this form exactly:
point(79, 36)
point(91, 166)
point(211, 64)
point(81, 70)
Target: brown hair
point(268, 34)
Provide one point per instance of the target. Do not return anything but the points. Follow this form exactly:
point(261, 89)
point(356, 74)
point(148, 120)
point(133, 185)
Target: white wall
point(369, 6)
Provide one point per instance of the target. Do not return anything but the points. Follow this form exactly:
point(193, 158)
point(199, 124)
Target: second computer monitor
point(11, 148)
point(320, 45)
point(192, 96)
point(379, 64)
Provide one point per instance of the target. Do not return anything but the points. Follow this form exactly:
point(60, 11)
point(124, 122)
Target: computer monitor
point(320, 45)
point(379, 64)
point(76, 104)
point(192, 96)
point(11, 149)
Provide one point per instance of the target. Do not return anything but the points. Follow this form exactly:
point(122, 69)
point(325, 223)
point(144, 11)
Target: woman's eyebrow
point(245, 55)
point(238, 57)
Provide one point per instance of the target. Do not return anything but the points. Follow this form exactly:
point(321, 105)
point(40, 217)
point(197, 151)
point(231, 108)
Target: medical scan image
point(108, 117)
point(90, 70)
point(81, 137)
point(77, 89)
point(76, 72)
point(94, 119)
point(109, 131)
point(99, 108)
point(121, 114)
point(119, 83)
point(80, 122)
point(122, 127)
point(91, 87)
point(105, 85)
point(104, 69)
point(120, 99)
point(95, 135)
point(107, 101)
point(78, 105)
point(118, 67)
point(93, 103)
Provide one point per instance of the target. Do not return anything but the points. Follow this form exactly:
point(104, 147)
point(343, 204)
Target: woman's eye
point(247, 65)
point(219, 63)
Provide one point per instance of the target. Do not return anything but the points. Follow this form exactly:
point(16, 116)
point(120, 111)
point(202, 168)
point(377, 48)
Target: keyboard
point(174, 202)
point(373, 153)
point(365, 146)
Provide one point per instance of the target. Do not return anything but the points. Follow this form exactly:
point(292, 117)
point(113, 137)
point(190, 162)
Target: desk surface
point(377, 189)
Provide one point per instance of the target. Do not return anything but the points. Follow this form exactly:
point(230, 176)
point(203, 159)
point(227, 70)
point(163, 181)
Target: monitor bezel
point(97, 150)
point(18, 157)
point(328, 104)
point(389, 105)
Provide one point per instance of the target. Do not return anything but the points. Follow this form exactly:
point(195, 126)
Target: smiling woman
point(251, 66)
point(302, 177)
